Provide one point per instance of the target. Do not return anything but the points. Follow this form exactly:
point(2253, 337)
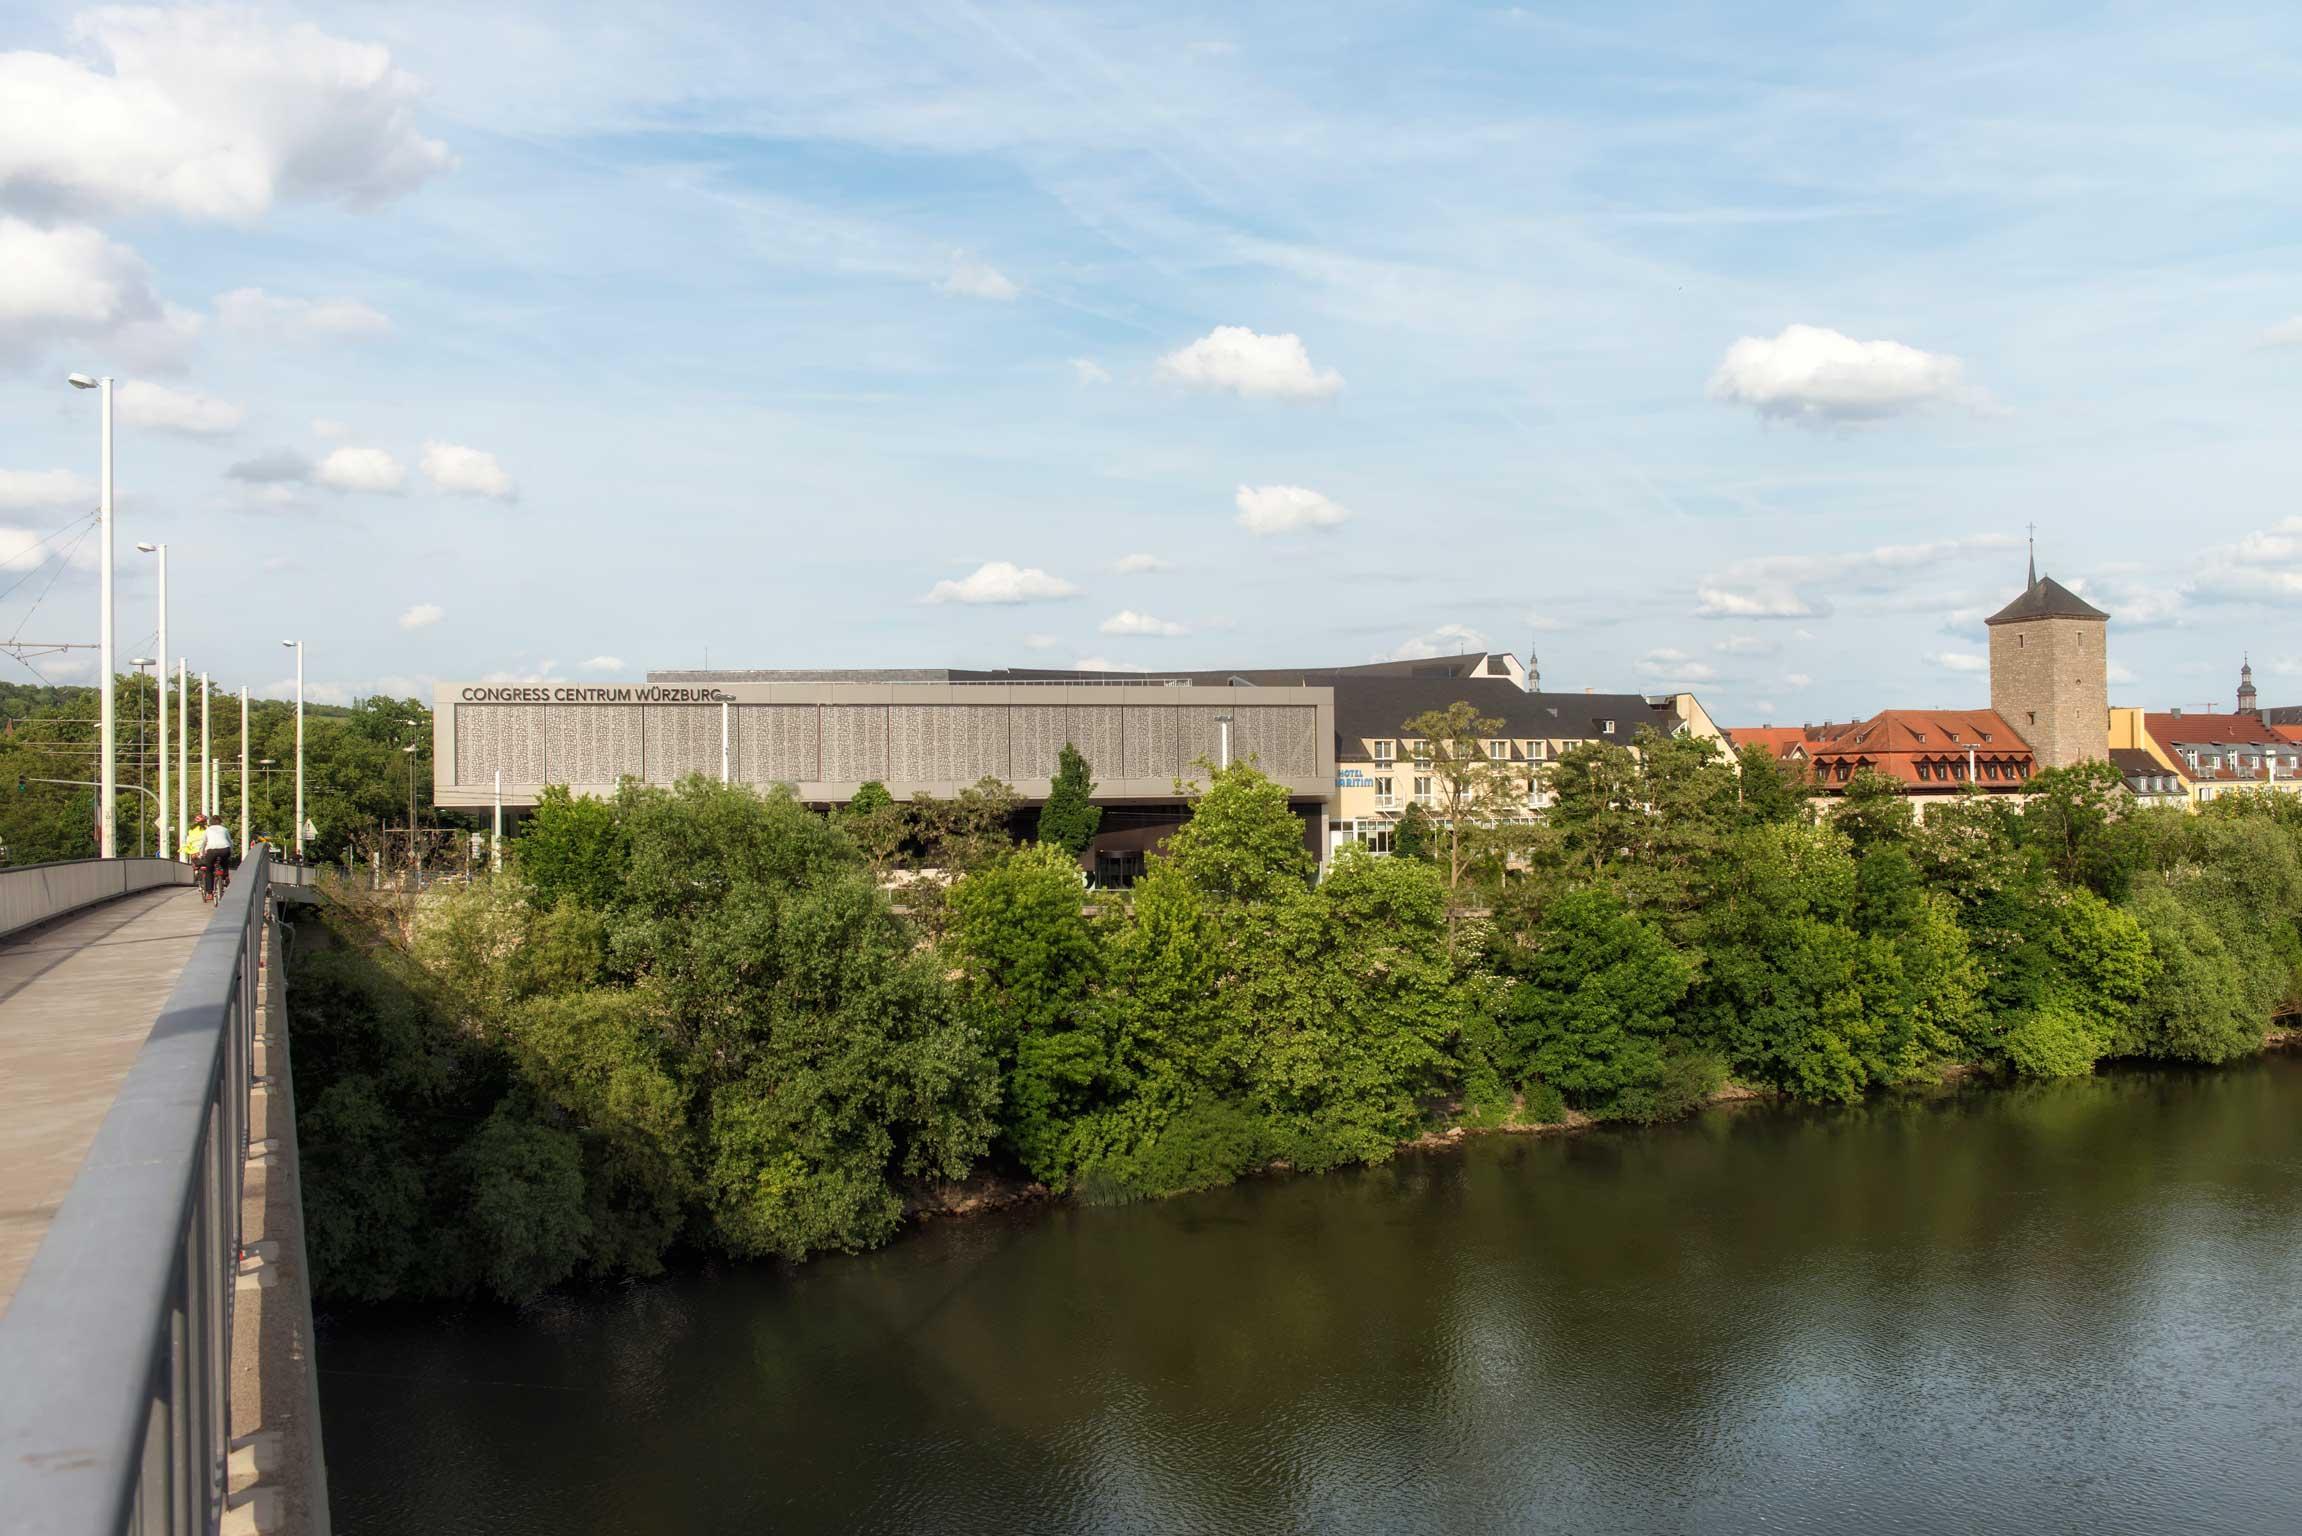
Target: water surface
point(2075, 1307)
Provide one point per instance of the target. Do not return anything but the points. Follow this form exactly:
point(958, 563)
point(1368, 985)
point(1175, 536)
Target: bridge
point(155, 1317)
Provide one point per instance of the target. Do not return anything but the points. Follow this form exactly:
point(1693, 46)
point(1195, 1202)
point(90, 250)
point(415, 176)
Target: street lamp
point(107, 775)
point(298, 647)
point(167, 846)
point(143, 664)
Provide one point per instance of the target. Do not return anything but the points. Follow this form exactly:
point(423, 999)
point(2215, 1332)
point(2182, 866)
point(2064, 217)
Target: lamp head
point(291, 644)
point(79, 381)
point(148, 548)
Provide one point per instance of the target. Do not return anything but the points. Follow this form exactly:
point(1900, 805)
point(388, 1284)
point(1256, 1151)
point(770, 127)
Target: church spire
point(2033, 556)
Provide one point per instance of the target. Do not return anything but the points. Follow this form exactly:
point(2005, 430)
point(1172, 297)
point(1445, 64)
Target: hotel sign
point(1350, 778)
point(594, 694)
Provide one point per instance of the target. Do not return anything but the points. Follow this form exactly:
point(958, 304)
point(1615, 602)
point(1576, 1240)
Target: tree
point(2072, 816)
point(1027, 961)
point(1244, 842)
point(1595, 804)
point(1476, 794)
point(1592, 989)
point(571, 848)
point(1771, 788)
point(1070, 816)
point(1874, 809)
point(878, 824)
point(1413, 836)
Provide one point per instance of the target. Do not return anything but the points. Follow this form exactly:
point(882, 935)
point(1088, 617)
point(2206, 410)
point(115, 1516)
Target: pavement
point(78, 996)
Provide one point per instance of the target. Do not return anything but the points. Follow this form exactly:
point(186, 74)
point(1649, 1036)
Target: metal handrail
point(116, 1349)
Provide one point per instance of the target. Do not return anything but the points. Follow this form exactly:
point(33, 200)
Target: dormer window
point(1919, 737)
point(1607, 727)
point(1384, 751)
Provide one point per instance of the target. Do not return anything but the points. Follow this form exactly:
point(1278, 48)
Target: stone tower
point(2246, 699)
point(2049, 674)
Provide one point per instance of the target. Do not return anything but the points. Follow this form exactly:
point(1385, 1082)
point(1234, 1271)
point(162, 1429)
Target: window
point(1423, 788)
point(1607, 727)
point(1384, 750)
point(1422, 751)
point(1925, 771)
point(1919, 737)
point(1377, 840)
point(1343, 828)
point(2032, 714)
point(1500, 751)
point(1383, 796)
point(2020, 640)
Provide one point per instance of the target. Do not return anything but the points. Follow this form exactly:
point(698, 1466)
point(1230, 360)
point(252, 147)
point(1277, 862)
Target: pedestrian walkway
point(77, 999)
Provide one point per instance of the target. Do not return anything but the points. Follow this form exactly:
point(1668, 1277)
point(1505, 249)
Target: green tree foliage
point(1069, 818)
point(1414, 835)
point(1029, 961)
point(571, 848)
point(1590, 1006)
point(1771, 789)
point(691, 1016)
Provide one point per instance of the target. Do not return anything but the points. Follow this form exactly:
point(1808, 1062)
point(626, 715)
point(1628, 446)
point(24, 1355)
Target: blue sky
point(1698, 346)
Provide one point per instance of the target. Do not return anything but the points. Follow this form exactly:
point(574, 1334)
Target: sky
point(1726, 348)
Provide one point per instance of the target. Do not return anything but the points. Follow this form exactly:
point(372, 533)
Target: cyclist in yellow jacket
point(195, 839)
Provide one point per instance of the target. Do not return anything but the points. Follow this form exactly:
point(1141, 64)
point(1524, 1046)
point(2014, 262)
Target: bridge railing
point(116, 1349)
point(35, 893)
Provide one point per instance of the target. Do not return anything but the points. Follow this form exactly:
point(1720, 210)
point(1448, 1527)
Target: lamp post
point(298, 647)
point(183, 750)
point(108, 773)
point(167, 845)
point(142, 665)
point(243, 770)
point(207, 762)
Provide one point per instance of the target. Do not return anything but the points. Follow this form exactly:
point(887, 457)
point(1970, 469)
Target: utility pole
point(299, 647)
point(183, 751)
point(160, 676)
point(207, 764)
point(243, 770)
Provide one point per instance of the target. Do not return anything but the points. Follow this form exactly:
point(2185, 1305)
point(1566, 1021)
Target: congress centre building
point(825, 733)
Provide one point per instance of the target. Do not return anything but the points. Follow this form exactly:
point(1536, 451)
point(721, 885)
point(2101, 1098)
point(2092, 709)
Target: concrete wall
point(826, 739)
point(2049, 679)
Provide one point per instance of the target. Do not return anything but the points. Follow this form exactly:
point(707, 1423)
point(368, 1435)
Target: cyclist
point(215, 859)
point(195, 839)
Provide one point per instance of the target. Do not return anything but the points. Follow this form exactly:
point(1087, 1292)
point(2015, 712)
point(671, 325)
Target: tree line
point(701, 1018)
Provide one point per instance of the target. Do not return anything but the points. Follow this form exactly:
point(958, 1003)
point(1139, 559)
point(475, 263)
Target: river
point(2066, 1307)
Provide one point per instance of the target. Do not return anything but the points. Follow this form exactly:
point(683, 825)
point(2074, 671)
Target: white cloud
point(1675, 666)
point(1446, 640)
point(422, 615)
point(972, 279)
point(1002, 581)
point(1798, 680)
point(1234, 358)
point(67, 282)
point(2119, 674)
point(467, 472)
point(2286, 333)
point(281, 466)
point(1745, 645)
point(1141, 565)
point(1040, 642)
point(1766, 706)
point(21, 549)
point(44, 488)
point(1788, 586)
point(143, 404)
point(2264, 566)
point(1960, 661)
point(328, 426)
point(1088, 371)
point(601, 664)
point(1267, 509)
point(1105, 664)
point(253, 310)
point(210, 113)
point(362, 469)
point(1819, 377)
point(1128, 622)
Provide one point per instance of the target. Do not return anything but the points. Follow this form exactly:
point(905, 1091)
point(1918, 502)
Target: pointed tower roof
point(2046, 598)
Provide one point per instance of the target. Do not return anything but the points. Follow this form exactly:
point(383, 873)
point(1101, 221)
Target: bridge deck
point(77, 999)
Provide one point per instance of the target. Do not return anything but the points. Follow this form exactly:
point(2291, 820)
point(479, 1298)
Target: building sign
point(1350, 778)
point(595, 694)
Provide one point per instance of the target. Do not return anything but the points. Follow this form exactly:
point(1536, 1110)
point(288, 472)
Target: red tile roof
point(1784, 741)
point(1926, 749)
